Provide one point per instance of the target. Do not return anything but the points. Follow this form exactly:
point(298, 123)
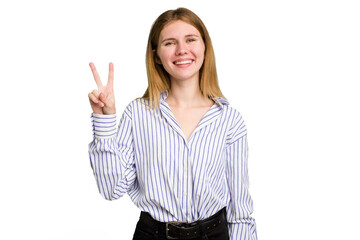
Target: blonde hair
point(158, 78)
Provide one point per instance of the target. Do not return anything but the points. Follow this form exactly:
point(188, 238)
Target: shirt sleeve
point(241, 225)
point(112, 155)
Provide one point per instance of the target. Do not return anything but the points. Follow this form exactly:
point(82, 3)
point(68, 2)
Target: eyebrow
point(189, 35)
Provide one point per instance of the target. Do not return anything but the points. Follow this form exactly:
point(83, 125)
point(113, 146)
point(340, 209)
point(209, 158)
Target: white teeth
point(183, 62)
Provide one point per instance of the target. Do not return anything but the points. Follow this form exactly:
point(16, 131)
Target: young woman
point(179, 151)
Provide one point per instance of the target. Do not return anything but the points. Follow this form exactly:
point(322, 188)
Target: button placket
point(186, 182)
point(190, 186)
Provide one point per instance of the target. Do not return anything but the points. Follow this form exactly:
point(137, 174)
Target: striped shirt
point(173, 178)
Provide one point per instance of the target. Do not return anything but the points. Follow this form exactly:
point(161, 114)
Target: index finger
point(96, 76)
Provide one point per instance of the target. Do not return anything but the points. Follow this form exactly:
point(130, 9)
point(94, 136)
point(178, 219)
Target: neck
point(186, 94)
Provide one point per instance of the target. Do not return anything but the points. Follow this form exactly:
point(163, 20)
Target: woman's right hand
point(102, 100)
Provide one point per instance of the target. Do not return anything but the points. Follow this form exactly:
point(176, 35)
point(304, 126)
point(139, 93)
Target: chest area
point(189, 119)
point(158, 141)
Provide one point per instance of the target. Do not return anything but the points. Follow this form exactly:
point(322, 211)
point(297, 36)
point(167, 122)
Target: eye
point(168, 43)
point(191, 40)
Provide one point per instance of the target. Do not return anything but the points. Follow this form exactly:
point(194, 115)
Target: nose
point(181, 49)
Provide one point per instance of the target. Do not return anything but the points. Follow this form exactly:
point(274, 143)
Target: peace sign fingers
point(103, 100)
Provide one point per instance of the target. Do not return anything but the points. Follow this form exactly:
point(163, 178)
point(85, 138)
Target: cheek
point(164, 57)
point(200, 54)
point(199, 51)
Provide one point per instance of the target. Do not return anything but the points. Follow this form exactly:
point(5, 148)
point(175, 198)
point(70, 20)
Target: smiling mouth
point(183, 62)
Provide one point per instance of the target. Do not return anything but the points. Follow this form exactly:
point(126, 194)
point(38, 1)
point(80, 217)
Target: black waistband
point(183, 230)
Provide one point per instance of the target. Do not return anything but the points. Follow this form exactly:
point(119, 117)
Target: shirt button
point(185, 169)
point(185, 194)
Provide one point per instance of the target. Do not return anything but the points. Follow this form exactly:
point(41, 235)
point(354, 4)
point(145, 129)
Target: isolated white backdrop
point(290, 67)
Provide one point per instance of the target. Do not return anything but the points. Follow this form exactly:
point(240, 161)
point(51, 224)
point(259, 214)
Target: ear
point(156, 57)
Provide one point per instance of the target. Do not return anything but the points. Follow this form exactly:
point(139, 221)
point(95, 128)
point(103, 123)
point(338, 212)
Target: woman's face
point(181, 50)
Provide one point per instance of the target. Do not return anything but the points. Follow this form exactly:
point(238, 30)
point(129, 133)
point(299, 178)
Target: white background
point(290, 67)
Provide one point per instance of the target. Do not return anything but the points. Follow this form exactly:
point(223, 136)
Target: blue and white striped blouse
point(170, 177)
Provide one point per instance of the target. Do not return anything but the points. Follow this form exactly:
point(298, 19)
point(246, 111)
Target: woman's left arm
point(241, 225)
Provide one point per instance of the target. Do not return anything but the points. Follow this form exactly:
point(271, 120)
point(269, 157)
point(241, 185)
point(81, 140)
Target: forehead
point(179, 29)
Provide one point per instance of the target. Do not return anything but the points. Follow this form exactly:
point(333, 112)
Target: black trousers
point(146, 232)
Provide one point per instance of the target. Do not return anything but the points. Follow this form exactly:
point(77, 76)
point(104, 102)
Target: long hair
point(158, 78)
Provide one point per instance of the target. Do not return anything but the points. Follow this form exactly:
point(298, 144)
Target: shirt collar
point(221, 102)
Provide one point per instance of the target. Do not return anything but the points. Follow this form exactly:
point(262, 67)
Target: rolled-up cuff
point(242, 231)
point(104, 126)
